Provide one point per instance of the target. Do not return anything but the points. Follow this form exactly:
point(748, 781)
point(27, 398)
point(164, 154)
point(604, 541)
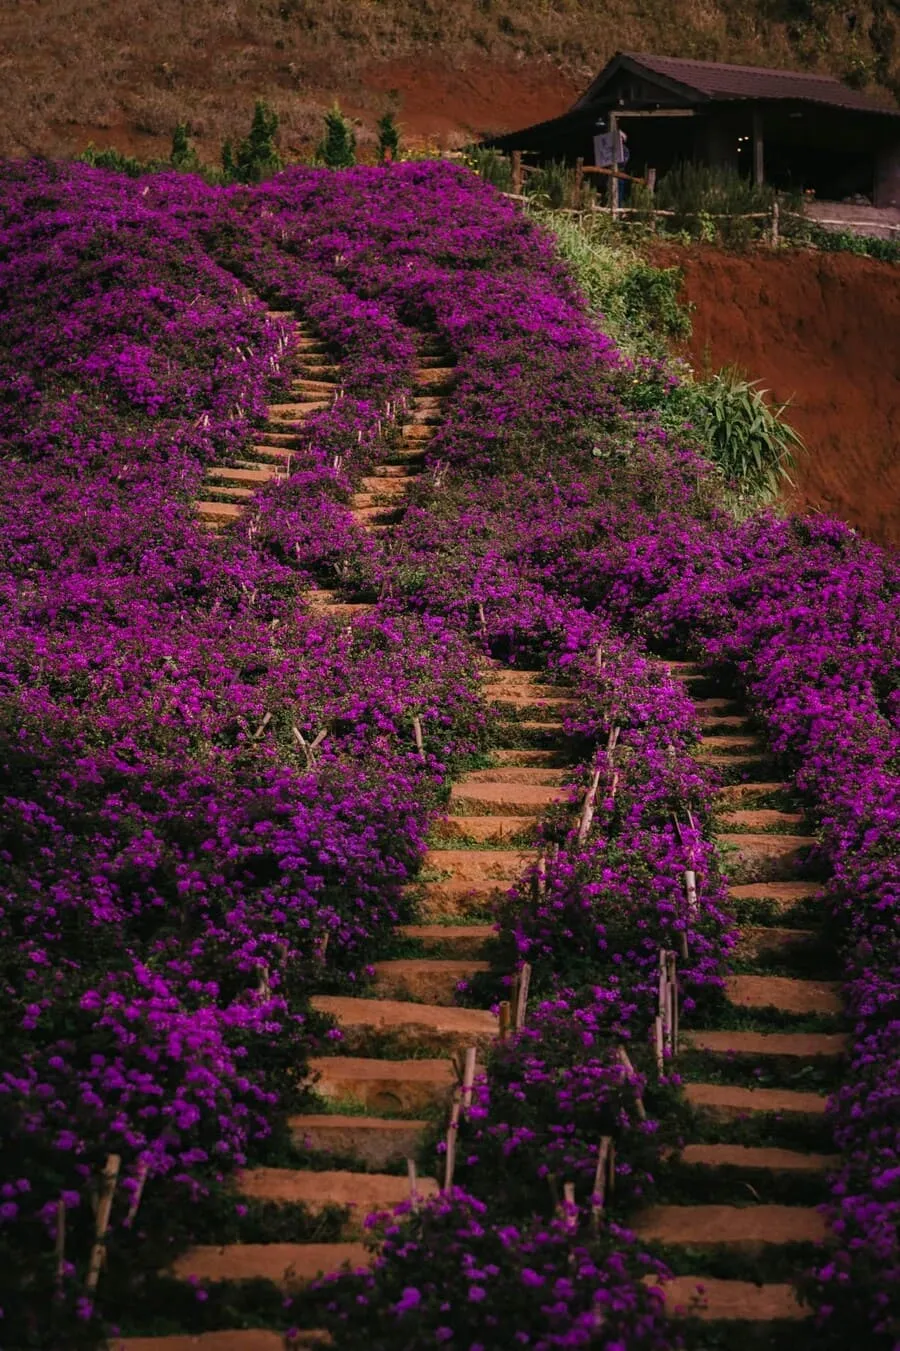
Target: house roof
point(711, 80)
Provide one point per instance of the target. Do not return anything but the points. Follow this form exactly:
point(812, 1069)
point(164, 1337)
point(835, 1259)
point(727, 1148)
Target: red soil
point(824, 331)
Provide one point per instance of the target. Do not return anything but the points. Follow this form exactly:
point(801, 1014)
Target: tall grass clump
point(709, 200)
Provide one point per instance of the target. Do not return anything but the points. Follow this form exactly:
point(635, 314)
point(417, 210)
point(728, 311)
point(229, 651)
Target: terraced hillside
point(424, 799)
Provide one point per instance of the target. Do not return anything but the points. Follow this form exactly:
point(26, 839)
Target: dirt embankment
point(824, 331)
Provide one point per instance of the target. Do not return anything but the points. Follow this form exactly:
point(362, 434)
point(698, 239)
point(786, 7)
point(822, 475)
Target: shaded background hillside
point(123, 73)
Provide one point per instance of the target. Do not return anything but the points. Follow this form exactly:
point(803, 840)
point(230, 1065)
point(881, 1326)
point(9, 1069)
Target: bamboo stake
point(482, 618)
point(690, 887)
point(142, 1173)
point(522, 995)
point(613, 739)
point(587, 811)
point(658, 1036)
point(417, 732)
point(265, 989)
point(600, 1175)
point(598, 658)
point(504, 1020)
point(110, 1178)
point(413, 1183)
point(625, 1061)
point(450, 1156)
point(571, 1220)
point(469, 1077)
point(672, 976)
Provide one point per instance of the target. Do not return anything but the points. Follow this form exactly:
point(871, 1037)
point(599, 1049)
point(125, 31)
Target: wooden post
point(672, 983)
point(690, 887)
point(413, 1183)
point(651, 180)
point(604, 1154)
point(579, 183)
point(776, 235)
point(417, 732)
point(587, 811)
point(758, 149)
point(516, 158)
point(104, 1206)
point(569, 1203)
point(450, 1155)
point(504, 1020)
point(658, 1038)
point(613, 180)
point(142, 1172)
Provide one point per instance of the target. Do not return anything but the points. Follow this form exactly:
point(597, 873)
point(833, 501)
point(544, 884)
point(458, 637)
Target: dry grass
point(125, 71)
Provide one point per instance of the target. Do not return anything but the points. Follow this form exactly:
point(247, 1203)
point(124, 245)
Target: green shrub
point(747, 437)
point(490, 165)
point(337, 148)
point(701, 196)
point(256, 157)
point(388, 138)
point(114, 159)
point(183, 155)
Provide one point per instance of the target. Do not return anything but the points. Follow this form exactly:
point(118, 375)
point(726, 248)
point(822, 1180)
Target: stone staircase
point(765, 851)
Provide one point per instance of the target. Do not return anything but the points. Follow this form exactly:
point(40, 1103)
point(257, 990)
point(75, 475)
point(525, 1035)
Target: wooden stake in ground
point(571, 1221)
point(107, 1191)
point(604, 1157)
point(658, 1037)
point(452, 1132)
point(468, 1079)
point(413, 1183)
point(142, 1172)
point(522, 996)
point(587, 811)
point(625, 1061)
point(672, 993)
point(417, 733)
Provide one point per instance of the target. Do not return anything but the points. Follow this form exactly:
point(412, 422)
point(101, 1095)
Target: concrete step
point(505, 798)
point(465, 939)
point(763, 1157)
point(287, 1265)
point(417, 1026)
point(784, 993)
point(433, 981)
point(726, 1102)
point(483, 829)
point(472, 866)
point(219, 511)
point(532, 775)
point(747, 1228)
point(231, 473)
point(363, 1192)
point(804, 1046)
point(383, 1085)
point(712, 1299)
point(376, 1141)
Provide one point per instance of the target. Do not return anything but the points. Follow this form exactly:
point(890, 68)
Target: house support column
point(759, 175)
point(887, 176)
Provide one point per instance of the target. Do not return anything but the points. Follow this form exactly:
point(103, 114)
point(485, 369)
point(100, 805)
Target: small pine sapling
point(337, 149)
point(183, 155)
point(257, 156)
point(388, 138)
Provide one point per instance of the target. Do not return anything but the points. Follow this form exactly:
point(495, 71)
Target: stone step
point(434, 375)
point(392, 486)
point(287, 1265)
point(525, 756)
point(784, 993)
point(230, 472)
point(370, 515)
point(712, 1299)
point(681, 667)
point(460, 898)
point(512, 677)
point(765, 856)
point(728, 1101)
point(230, 492)
point(483, 829)
point(784, 895)
point(319, 370)
point(466, 939)
point(481, 865)
point(505, 798)
point(533, 698)
point(754, 766)
point(418, 1026)
point(297, 408)
point(433, 981)
point(714, 707)
point(738, 1227)
point(316, 389)
point(722, 724)
point(755, 819)
point(363, 1192)
point(280, 454)
point(517, 774)
point(728, 745)
point(250, 1339)
point(219, 511)
point(416, 431)
point(734, 792)
point(764, 1157)
point(405, 472)
point(344, 609)
point(788, 944)
point(803, 1045)
point(383, 1085)
point(376, 1141)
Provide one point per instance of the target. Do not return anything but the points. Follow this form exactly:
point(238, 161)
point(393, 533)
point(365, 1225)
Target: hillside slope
point(123, 75)
point(822, 330)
